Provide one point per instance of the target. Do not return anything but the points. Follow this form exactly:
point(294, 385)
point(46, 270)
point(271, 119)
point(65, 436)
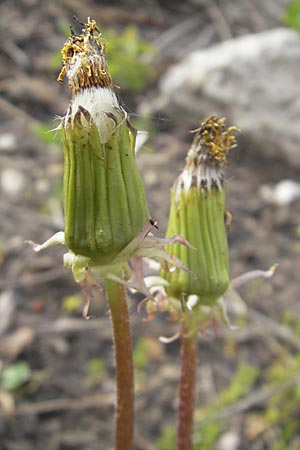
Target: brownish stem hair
point(187, 390)
point(124, 365)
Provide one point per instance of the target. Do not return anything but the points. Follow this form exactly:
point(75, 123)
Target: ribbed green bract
point(198, 214)
point(104, 199)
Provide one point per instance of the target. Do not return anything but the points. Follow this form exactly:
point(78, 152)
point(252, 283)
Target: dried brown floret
point(83, 59)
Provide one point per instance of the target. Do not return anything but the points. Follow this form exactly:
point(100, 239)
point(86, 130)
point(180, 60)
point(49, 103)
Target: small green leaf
point(291, 16)
point(168, 439)
point(140, 354)
point(206, 437)
point(71, 303)
point(95, 369)
point(45, 133)
point(15, 375)
point(241, 385)
point(55, 61)
point(126, 58)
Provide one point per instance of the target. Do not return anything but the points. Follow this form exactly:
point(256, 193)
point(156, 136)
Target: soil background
point(67, 400)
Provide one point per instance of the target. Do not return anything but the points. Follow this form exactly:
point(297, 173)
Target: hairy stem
point(124, 365)
point(187, 390)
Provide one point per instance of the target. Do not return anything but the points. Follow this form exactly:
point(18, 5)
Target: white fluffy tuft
point(98, 102)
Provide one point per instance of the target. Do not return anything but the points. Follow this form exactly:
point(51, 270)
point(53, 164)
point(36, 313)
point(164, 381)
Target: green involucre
point(104, 198)
point(199, 216)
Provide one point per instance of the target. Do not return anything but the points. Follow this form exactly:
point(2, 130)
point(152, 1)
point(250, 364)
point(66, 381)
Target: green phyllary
point(198, 212)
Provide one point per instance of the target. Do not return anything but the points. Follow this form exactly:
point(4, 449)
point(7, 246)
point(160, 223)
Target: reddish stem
point(187, 390)
point(124, 365)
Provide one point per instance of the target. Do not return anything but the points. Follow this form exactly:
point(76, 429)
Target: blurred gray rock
point(8, 142)
point(252, 80)
point(229, 441)
point(283, 193)
point(12, 181)
point(7, 309)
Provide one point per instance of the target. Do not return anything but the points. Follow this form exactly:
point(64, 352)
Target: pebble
point(7, 309)
point(8, 142)
point(283, 193)
point(12, 181)
point(229, 441)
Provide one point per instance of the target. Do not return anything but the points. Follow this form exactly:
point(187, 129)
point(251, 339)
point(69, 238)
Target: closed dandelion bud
point(198, 213)
point(104, 199)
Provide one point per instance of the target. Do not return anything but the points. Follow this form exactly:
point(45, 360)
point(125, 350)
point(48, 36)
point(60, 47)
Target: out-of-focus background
point(176, 62)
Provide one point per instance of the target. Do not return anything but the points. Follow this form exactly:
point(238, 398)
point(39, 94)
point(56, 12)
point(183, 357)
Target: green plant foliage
point(283, 408)
point(126, 58)
point(168, 439)
point(206, 437)
point(72, 303)
point(15, 375)
point(292, 320)
point(284, 369)
point(140, 354)
point(45, 133)
point(55, 61)
point(279, 445)
point(95, 369)
point(291, 16)
point(241, 384)
point(208, 427)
